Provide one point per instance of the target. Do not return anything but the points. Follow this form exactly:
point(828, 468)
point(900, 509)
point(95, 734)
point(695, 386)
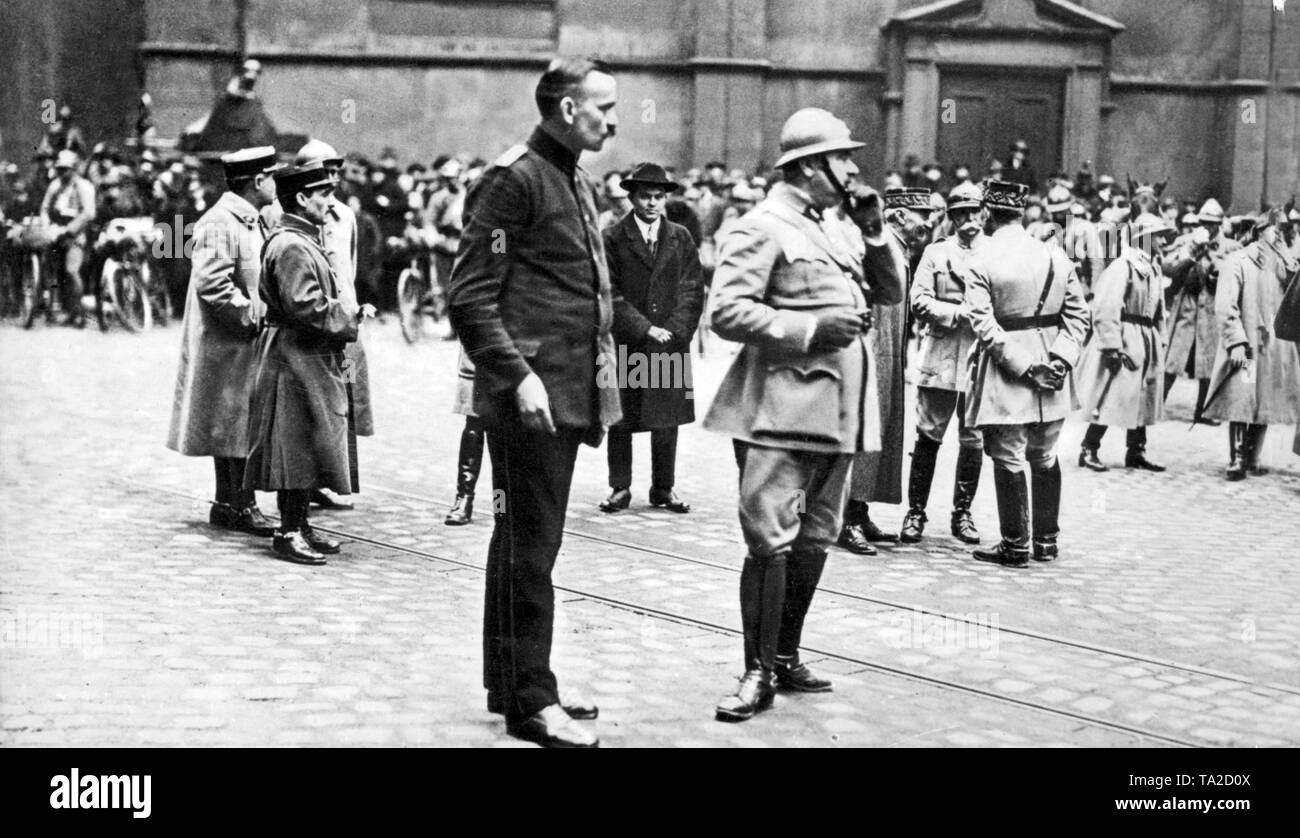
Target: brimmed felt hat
point(813, 131)
point(1004, 194)
point(1059, 199)
point(649, 174)
point(1211, 212)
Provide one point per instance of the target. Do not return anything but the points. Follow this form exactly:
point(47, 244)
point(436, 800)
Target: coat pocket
point(800, 402)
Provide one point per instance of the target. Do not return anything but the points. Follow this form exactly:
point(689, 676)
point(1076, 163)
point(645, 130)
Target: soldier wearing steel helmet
point(799, 399)
point(938, 304)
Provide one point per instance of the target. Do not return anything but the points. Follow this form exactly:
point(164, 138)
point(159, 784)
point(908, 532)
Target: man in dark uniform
point(223, 317)
point(654, 268)
point(298, 422)
point(531, 301)
point(1027, 309)
point(878, 475)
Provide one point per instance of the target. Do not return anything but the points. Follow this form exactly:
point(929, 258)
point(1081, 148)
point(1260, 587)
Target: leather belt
point(1020, 324)
point(1125, 317)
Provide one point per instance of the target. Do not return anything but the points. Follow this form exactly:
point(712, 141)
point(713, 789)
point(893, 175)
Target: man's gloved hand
point(1111, 360)
point(866, 209)
point(1237, 356)
point(1043, 377)
point(836, 329)
point(1059, 367)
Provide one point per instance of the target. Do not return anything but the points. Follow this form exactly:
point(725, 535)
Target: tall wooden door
point(983, 111)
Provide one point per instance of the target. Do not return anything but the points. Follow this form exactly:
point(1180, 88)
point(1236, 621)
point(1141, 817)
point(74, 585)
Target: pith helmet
point(1211, 212)
point(813, 131)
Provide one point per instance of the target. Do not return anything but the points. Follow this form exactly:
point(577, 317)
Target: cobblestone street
point(127, 620)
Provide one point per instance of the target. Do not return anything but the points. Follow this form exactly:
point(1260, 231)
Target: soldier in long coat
point(298, 424)
point(1119, 376)
point(654, 270)
point(877, 476)
point(1030, 318)
point(1286, 324)
point(938, 304)
point(800, 398)
point(1256, 379)
point(223, 316)
point(1193, 266)
point(339, 237)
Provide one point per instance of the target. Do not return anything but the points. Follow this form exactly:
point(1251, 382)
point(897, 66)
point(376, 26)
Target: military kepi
point(1001, 194)
point(248, 162)
point(915, 198)
point(304, 178)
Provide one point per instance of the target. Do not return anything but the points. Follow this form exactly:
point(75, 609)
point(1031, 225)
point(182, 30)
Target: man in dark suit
point(654, 268)
point(534, 340)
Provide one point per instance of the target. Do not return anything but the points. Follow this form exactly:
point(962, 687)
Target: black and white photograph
point(471, 374)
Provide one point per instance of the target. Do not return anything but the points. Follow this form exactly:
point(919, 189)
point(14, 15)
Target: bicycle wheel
point(130, 302)
point(31, 290)
point(410, 297)
point(158, 302)
point(103, 296)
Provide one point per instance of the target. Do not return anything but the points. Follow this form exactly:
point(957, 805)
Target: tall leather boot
point(1088, 452)
point(467, 469)
point(1047, 511)
point(802, 574)
point(1253, 441)
point(970, 461)
point(1136, 456)
point(1236, 454)
point(222, 514)
point(918, 488)
point(1013, 515)
point(761, 610)
point(1202, 390)
point(248, 517)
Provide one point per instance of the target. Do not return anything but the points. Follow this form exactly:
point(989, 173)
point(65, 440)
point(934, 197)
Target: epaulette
point(510, 155)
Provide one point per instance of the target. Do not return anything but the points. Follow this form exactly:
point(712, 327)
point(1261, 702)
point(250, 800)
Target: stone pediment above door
point(929, 46)
point(1050, 18)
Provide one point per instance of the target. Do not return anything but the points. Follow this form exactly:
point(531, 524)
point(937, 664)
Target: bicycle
point(419, 294)
point(127, 288)
point(39, 282)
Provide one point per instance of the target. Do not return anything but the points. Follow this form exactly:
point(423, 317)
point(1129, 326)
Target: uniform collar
point(239, 208)
point(552, 151)
point(1016, 230)
point(793, 197)
point(298, 224)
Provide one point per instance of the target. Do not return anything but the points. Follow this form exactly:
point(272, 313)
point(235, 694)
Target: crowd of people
point(1030, 299)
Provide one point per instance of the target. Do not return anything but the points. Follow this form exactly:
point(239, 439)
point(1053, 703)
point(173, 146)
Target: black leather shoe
point(253, 522)
point(618, 499)
point(963, 527)
point(852, 539)
point(223, 515)
point(875, 533)
point(293, 547)
point(462, 510)
point(578, 706)
point(1004, 554)
point(1088, 459)
point(552, 728)
point(1046, 551)
point(668, 501)
point(794, 675)
point(318, 542)
point(326, 499)
point(913, 526)
point(753, 695)
point(1136, 458)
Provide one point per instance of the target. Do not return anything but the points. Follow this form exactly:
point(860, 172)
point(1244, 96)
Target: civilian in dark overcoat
point(654, 271)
